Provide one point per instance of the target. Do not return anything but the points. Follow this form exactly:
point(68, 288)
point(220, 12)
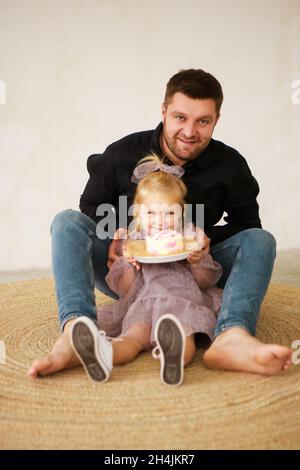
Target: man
point(218, 177)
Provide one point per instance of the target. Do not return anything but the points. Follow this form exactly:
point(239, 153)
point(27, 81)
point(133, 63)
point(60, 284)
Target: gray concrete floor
point(23, 274)
point(287, 267)
point(286, 270)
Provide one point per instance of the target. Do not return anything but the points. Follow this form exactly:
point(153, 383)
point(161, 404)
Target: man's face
point(188, 125)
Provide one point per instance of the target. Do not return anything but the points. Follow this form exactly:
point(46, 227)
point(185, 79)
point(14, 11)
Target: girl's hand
point(206, 245)
point(121, 233)
point(134, 263)
point(203, 240)
point(195, 257)
point(131, 259)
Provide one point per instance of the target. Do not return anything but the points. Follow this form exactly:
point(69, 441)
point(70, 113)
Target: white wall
point(80, 74)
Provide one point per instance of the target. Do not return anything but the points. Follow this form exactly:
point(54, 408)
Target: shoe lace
point(102, 333)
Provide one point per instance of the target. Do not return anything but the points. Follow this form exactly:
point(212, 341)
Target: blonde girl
point(161, 306)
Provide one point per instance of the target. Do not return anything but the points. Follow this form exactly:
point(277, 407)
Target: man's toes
point(290, 355)
point(40, 367)
point(282, 352)
point(32, 372)
point(264, 356)
point(272, 354)
point(287, 364)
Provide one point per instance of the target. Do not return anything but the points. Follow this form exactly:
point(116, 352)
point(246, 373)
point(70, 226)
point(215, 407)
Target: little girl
point(161, 305)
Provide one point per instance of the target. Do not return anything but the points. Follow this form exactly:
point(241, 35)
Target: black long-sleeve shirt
point(219, 178)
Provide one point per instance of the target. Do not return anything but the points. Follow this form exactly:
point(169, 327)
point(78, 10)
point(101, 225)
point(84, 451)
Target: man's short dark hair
point(196, 84)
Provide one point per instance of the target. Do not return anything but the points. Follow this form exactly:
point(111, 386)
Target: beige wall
point(80, 74)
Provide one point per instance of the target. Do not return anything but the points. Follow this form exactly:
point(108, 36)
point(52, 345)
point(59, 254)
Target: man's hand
point(121, 233)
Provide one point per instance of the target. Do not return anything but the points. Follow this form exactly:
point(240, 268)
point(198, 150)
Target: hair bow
point(149, 167)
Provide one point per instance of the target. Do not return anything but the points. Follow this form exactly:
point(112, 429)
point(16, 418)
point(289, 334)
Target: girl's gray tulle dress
point(189, 293)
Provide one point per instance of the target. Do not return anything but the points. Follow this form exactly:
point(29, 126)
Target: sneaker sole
point(84, 342)
point(171, 341)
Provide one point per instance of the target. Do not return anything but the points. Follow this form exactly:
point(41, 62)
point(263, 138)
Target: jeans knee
point(270, 241)
point(261, 238)
point(61, 219)
point(68, 218)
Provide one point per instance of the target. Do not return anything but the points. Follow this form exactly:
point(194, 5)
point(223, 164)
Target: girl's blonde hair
point(158, 182)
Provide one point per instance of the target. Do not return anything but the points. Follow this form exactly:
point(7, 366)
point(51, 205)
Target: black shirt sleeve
point(102, 186)
point(240, 205)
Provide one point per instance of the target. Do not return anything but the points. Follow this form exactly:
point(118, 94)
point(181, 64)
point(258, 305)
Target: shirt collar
point(202, 161)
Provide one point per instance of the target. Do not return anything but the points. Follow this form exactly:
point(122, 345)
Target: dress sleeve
point(121, 276)
point(207, 272)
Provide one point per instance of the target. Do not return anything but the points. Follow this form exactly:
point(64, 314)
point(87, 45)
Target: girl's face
point(160, 212)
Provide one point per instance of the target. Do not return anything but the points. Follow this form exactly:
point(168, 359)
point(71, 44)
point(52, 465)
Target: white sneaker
point(170, 339)
point(92, 348)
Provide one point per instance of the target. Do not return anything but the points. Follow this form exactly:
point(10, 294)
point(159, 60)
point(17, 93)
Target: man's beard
point(171, 144)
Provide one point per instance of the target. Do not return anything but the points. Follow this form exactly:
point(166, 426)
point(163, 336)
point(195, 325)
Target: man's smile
point(187, 142)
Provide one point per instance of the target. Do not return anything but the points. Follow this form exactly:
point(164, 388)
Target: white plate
point(163, 258)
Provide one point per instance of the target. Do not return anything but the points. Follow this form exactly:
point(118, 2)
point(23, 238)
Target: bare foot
point(236, 349)
point(61, 357)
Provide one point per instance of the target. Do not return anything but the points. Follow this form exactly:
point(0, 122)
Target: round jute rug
point(134, 410)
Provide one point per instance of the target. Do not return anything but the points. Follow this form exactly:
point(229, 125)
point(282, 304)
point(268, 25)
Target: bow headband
point(149, 167)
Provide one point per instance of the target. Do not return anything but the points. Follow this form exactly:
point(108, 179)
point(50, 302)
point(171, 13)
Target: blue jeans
point(79, 260)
